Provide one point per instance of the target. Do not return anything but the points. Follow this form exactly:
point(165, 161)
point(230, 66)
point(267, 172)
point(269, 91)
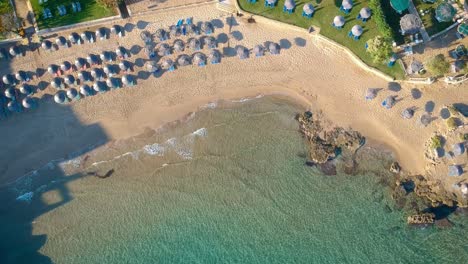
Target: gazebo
point(10, 93)
point(152, 66)
point(97, 74)
point(101, 33)
point(289, 6)
point(308, 10)
point(125, 66)
point(117, 30)
point(74, 38)
point(207, 28)
point(164, 49)
point(274, 48)
point(168, 64)
point(445, 12)
point(259, 51)
point(210, 42)
point(46, 45)
point(463, 29)
point(26, 89)
point(61, 42)
point(364, 14)
point(106, 56)
point(73, 94)
point(128, 80)
point(194, 44)
point(199, 59)
point(183, 60)
point(179, 45)
point(242, 52)
point(410, 24)
point(408, 113)
point(389, 102)
point(346, 6)
point(356, 32)
point(270, 3)
point(161, 34)
point(100, 87)
point(57, 83)
point(85, 90)
point(69, 80)
point(214, 56)
point(29, 103)
point(22, 76)
point(338, 22)
point(399, 5)
point(60, 97)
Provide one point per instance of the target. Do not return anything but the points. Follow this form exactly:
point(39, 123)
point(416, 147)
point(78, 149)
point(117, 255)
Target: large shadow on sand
point(30, 141)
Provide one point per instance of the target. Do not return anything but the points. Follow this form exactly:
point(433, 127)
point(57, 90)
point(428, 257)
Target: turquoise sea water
point(227, 186)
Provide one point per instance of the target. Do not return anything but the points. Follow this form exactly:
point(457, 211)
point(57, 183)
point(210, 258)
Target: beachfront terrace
point(323, 16)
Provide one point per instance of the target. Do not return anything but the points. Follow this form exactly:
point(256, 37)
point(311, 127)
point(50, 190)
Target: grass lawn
point(90, 10)
point(430, 22)
point(323, 17)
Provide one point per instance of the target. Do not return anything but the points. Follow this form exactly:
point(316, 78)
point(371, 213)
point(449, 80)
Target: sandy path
point(319, 76)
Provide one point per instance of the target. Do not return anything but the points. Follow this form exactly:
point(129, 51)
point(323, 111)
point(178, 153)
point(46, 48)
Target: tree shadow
point(394, 86)
point(142, 24)
point(300, 42)
point(462, 108)
point(217, 23)
point(129, 27)
point(285, 44)
point(444, 113)
point(237, 35)
point(416, 93)
point(135, 49)
point(229, 52)
point(429, 106)
point(144, 75)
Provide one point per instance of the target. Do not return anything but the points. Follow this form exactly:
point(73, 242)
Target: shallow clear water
point(227, 186)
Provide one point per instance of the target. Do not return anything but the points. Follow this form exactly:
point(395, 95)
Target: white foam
point(202, 132)
point(154, 149)
point(26, 197)
point(211, 105)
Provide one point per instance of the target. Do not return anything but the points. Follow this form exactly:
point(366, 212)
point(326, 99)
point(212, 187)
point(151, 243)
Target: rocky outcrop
point(395, 167)
point(421, 219)
point(325, 145)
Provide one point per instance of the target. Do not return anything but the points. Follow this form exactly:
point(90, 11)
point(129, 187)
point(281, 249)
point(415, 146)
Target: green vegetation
point(8, 23)
point(90, 10)
point(452, 123)
point(323, 18)
point(429, 21)
point(453, 111)
point(437, 65)
point(436, 142)
point(379, 48)
point(463, 136)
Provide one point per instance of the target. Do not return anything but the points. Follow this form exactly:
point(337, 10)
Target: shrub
point(436, 142)
point(452, 123)
point(379, 19)
point(437, 65)
point(109, 3)
point(379, 48)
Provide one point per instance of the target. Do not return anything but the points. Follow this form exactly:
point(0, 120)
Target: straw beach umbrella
point(100, 87)
point(9, 79)
point(125, 66)
point(46, 45)
point(274, 48)
point(117, 30)
point(85, 90)
point(121, 52)
point(174, 31)
point(97, 74)
point(410, 24)
point(259, 51)
point(164, 49)
point(207, 28)
point(210, 42)
point(371, 93)
point(60, 97)
point(193, 29)
point(199, 59)
point(128, 80)
point(338, 21)
point(152, 66)
point(53, 70)
point(113, 83)
point(194, 44)
point(29, 103)
point(61, 42)
point(92, 59)
point(214, 56)
point(84, 76)
point(109, 70)
point(101, 33)
point(57, 83)
point(408, 113)
point(161, 34)
point(10, 93)
point(80, 63)
point(74, 38)
point(73, 94)
point(106, 56)
point(22, 76)
point(87, 36)
point(389, 102)
point(69, 80)
point(26, 89)
point(167, 64)
point(179, 45)
point(146, 37)
point(183, 60)
point(242, 52)
point(66, 66)
point(14, 106)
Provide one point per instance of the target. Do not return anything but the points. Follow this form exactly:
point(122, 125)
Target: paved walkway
point(412, 9)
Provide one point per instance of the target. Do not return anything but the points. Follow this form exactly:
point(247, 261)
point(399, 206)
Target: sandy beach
point(307, 69)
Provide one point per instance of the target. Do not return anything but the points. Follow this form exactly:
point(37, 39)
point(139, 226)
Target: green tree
point(437, 65)
point(379, 48)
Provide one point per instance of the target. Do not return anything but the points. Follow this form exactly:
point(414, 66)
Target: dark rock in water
point(395, 167)
point(443, 223)
point(408, 185)
point(441, 212)
point(328, 168)
point(310, 163)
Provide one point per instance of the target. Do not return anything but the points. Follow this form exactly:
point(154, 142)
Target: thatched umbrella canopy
point(274, 48)
point(259, 50)
point(410, 24)
point(10, 92)
point(164, 49)
point(74, 38)
point(15, 51)
point(357, 30)
point(183, 60)
point(69, 80)
point(84, 76)
point(101, 33)
point(389, 102)
point(167, 64)
point(338, 21)
point(458, 149)
point(179, 45)
point(46, 45)
point(66, 66)
point(210, 42)
point(85, 90)
point(73, 94)
point(117, 30)
point(53, 69)
point(152, 66)
point(207, 27)
point(174, 31)
point(371, 93)
point(347, 4)
point(9, 79)
point(445, 12)
point(26, 89)
point(92, 59)
point(408, 113)
point(109, 70)
point(29, 103)
point(128, 80)
point(308, 9)
point(60, 97)
point(425, 119)
point(100, 87)
point(199, 59)
point(214, 56)
point(80, 63)
point(113, 83)
point(121, 52)
point(194, 44)
point(146, 36)
point(365, 12)
point(98, 74)
point(415, 67)
point(106, 56)
point(289, 4)
point(161, 34)
point(242, 52)
point(57, 83)
point(14, 106)
point(22, 76)
point(125, 65)
point(149, 51)
point(455, 170)
point(193, 29)
point(61, 41)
